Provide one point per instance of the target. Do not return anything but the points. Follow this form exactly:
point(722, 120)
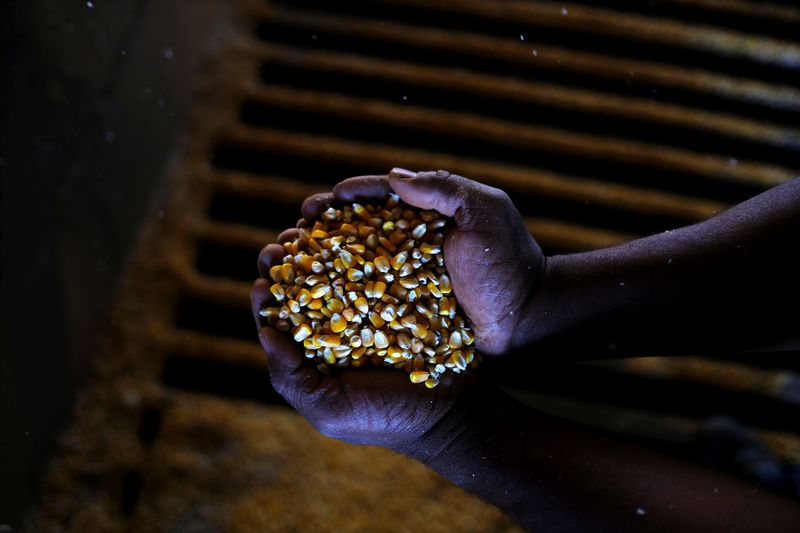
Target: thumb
point(451, 195)
point(283, 354)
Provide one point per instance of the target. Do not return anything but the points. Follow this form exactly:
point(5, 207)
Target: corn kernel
point(301, 332)
point(361, 305)
point(338, 323)
point(431, 383)
point(418, 376)
point(381, 340)
point(278, 292)
point(275, 273)
point(382, 263)
point(270, 312)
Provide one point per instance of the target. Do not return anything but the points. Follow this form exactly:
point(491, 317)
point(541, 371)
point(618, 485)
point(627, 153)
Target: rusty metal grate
point(602, 124)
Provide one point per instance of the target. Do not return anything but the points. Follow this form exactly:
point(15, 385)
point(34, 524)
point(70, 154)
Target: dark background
point(94, 106)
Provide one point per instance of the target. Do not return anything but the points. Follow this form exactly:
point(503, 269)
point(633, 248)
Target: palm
point(493, 269)
point(376, 406)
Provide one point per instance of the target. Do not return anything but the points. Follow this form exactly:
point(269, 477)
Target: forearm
point(716, 286)
point(550, 475)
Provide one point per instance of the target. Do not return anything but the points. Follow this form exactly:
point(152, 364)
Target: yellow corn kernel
point(329, 341)
point(354, 274)
point(303, 297)
point(418, 376)
point(338, 323)
point(320, 291)
point(434, 290)
point(420, 330)
point(346, 257)
point(361, 212)
point(287, 273)
point(376, 319)
point(297, 318)
point(429, 248)
point(409, 283)
point(398, 260)
point(381, 340)
point(389, 313)
point(382, 263)
point(301, 332)
point(275, 273)
point(455, 340)
point(336, 306)
point(379, 289)
point(445, 285)
point(365, 232)
point(419, 231)
point(361, 305)
point(304, 262)
point(270, 312)
point(358, 352)
point(294, 307)
point(319, 234)
point(394, 352)
point(431, 382)
point(314, 279)
point(278, 292)
point(348, 314)
point(367, 337)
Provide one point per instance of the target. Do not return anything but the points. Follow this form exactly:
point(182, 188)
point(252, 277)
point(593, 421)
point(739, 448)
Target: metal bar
point(506, 133)
point(509, 177)
point(741, 7)
point(619, 24)
point(202, 346)
point(531, 55)
point(726, 375)
point(524, 91)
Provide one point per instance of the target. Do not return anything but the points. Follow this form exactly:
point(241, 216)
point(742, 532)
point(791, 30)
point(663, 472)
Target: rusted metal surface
point(140, 454)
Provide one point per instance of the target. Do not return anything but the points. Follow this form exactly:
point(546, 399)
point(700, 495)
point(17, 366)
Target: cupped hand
point(493, 261)
point(368, 405)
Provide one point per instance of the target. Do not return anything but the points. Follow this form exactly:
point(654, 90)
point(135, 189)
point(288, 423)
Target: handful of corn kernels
point(368, 285)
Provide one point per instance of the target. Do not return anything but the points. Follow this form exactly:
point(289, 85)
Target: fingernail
point(402, 173)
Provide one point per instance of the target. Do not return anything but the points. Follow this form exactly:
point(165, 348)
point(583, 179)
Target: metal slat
point(509, 177)
point(742, 7)
point(619, 24)
point(523, 91)
point(525, 136)
point(210, 347)
point(546, 56)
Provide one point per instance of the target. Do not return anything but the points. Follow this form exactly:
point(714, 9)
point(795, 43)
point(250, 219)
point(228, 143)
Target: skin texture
point(670, 293)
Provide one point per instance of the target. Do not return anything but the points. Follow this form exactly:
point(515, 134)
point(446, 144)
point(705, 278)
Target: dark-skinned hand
point(493, 263)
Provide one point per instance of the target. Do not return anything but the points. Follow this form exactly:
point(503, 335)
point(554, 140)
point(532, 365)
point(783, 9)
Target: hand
point(368, 405)
point(493, 261)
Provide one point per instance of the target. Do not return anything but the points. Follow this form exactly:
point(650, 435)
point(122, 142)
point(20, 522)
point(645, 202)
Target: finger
point(362, 189)
point(288, 373)
point(451, 195)
point(288, 235)
point(260, 297)
point(271, 254)
point(314, 205)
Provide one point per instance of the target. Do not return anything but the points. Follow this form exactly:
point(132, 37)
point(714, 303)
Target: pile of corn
point(367, 285)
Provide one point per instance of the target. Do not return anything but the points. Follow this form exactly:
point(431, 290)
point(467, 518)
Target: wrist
point(440, 447)
point(542, 314)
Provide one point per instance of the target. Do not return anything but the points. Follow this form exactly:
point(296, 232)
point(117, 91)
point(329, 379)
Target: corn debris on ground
point(368, 285)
